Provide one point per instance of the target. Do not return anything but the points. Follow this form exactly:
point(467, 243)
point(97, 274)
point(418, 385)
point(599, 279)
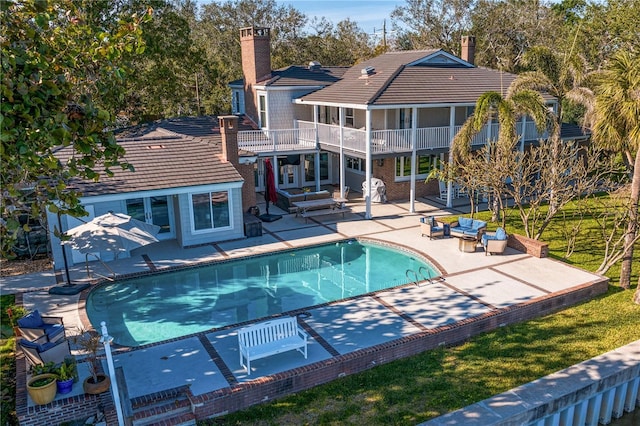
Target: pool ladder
point(423, 274)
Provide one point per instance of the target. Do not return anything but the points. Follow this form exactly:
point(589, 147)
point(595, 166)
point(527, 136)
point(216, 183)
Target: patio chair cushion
point(465, 222)
point(501, 234)
point(31, 320)
point(478, 224)
point(39, 347)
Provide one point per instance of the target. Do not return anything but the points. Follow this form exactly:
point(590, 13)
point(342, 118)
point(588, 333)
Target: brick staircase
point(165, 408)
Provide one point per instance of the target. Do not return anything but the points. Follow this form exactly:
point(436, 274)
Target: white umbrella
point(114, 232)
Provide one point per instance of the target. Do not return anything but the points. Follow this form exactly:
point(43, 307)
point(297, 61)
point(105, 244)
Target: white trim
point(216, 187)
point(192, 224)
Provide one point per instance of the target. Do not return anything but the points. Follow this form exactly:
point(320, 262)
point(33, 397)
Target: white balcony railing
point(261, 141)
point(382, 141)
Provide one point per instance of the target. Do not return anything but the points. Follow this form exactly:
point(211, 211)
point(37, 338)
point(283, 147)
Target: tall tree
point(506, 110)
point(433, 24)
point(505, 30)
point(169, 73)
point(59, 67)
point(616, 126)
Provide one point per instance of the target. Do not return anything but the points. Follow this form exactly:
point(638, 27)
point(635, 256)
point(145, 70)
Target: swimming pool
point(163, 306)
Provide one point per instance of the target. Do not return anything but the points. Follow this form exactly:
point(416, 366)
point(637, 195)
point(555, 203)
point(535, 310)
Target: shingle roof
point(400, 78)
point(356, 89)
point(164, 158)
point(296, 75)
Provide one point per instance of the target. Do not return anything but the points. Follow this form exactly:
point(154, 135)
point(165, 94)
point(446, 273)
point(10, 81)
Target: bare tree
point(536, 180)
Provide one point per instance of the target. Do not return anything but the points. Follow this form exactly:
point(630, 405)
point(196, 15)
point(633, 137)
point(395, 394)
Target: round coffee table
point(467, 244)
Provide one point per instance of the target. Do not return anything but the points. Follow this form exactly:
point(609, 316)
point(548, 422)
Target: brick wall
point(528, 245)
point(400, 190)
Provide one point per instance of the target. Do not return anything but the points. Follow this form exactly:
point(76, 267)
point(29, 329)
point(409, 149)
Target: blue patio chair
point(34, 326)
point(41, 351)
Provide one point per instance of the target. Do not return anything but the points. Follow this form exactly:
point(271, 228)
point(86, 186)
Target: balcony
point(394, 141)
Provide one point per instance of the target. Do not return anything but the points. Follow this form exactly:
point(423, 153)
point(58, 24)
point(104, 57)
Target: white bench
point(269, 338)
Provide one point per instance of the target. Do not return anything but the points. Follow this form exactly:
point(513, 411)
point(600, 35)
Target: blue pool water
point(163, 306)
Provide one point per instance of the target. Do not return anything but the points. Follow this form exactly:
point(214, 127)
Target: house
point(189, 179)
point(392, 117)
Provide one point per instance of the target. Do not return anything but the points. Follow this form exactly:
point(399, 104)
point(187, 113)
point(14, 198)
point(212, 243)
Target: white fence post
point(106, 341)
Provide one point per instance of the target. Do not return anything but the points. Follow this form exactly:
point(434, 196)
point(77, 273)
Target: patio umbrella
point(269, 191)
point(111, 232)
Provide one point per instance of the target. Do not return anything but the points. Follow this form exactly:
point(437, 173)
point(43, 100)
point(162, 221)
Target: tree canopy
point(63, 62)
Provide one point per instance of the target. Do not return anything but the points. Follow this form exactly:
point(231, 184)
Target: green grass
point(7, 365)
point(422, 387)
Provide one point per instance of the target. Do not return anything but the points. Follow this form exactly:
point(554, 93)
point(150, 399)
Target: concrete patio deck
point(478, 293)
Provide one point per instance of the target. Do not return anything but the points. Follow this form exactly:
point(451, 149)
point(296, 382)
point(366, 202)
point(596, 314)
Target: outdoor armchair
point(430, 227)
point(41, 351)
point(33, 326)
point(494, 242)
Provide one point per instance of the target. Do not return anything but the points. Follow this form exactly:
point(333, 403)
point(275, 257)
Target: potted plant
point(89, 342)
point(65, 376)
point(42, 384)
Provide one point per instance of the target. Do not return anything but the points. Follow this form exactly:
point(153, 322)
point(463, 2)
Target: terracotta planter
point(96, 388)
point(42, 394)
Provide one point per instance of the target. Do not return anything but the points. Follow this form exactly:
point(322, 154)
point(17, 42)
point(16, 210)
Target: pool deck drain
point(479, 293)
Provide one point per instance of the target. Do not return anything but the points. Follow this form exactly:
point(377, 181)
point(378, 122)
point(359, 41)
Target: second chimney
point(468, 51)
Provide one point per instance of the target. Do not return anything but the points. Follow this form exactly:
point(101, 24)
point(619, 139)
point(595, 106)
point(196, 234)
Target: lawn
point(416, 389)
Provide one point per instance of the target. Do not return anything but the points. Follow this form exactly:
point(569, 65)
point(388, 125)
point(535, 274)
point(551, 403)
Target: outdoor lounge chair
point(33, 326)
point(41, 351)
point(430, 227)
point(494, 242)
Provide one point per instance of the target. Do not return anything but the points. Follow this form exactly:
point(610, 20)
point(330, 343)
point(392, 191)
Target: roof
point(413, 77)
point(173, 153)
point(296, 75)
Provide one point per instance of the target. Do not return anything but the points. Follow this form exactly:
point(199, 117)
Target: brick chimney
point(468, 51)
point(255, 44)
point(229, 133)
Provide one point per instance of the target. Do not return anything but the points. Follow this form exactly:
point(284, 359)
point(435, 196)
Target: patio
point(479, 293)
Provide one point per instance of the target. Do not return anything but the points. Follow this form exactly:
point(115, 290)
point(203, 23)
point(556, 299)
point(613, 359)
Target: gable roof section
point(414, 77)
point(433, 85)
point(165, 159)
point(355, 88)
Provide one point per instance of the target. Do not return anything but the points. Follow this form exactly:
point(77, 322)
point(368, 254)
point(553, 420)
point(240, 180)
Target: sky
point(368, 14)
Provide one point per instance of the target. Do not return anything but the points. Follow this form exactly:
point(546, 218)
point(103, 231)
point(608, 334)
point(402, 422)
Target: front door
point(154, 210)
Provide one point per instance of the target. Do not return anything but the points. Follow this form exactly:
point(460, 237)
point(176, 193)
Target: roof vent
point(368, 70)
point(314, 65)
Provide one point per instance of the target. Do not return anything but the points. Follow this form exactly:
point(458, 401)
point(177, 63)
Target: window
point(210, 210)
point(425, 163)
point(262, 104)
point(355, 164)
point(310, 167)
point(348, 117)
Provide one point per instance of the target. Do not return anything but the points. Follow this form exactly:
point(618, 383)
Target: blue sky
point(369, 14)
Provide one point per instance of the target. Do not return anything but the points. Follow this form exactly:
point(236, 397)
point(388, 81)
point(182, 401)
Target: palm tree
point(506, 110)
point(616, 126)
point(560, 77)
